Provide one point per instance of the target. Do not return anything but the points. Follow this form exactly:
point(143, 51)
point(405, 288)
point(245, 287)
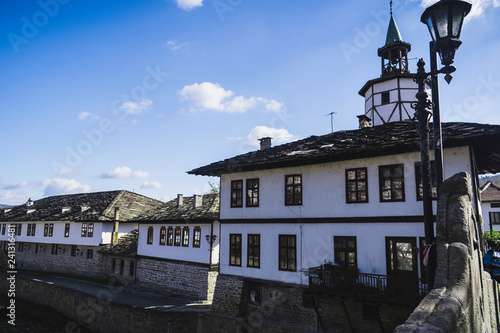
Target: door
point(402, 268)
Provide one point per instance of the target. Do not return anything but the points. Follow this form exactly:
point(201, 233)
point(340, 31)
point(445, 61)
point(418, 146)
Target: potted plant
point(492, 237)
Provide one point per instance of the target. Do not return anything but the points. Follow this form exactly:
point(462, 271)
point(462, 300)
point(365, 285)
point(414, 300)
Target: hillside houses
point(64, 233)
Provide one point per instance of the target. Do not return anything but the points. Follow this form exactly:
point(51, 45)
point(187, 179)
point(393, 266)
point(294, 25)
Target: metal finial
point(391, 7)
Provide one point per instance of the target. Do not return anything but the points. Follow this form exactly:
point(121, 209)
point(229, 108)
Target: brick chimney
point(265, 143)
point(364, 121)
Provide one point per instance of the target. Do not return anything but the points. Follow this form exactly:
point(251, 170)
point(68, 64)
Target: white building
point(63, 233)
point(350, 197)
point(178, 245)
point(490, 205)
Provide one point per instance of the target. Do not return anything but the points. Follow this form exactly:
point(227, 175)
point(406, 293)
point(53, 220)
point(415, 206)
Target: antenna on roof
point(331, 118)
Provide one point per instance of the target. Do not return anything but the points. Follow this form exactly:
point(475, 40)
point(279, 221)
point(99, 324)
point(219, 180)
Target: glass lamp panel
point(430, 25)
point(441, 20)
point(457, 18)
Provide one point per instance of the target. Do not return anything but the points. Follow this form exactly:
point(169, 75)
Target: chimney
point(197, 200)
point(180, 200)
point(116, 225)
point(265, 143)
point(29, 203)
point(364, 121)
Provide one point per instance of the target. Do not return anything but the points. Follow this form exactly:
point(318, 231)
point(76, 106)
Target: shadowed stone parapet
point(464, 296)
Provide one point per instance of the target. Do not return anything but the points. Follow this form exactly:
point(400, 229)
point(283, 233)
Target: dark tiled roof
point(126, 245)
point(101, 207)
point(388, 139)
point(490, 192)
point(170, 211)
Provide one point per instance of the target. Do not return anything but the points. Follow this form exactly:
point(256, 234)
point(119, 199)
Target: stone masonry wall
point(180, 277)
point(102, 314)
point(39, 257)
point(465, 298)
point(244, 305)
point(119, 268)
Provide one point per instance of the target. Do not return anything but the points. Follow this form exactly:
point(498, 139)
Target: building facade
point(64, 233)
point(178, 245)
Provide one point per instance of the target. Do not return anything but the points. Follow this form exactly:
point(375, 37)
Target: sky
point(130, 95)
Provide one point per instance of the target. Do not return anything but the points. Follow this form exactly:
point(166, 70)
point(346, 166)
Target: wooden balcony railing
point(371, 287)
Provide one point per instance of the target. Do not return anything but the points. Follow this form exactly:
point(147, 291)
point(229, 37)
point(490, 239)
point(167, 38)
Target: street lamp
point(444, 20)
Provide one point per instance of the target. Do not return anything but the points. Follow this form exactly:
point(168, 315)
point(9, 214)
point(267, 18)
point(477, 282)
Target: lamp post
point(444, 20)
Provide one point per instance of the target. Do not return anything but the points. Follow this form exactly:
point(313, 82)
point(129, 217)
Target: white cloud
point(63, 186)
point(151, 185)
point(84, 115)
point(15, 186)
point(66, 173)
point(136, 107)
point(12, 198)
point(279, 135)
point(211, 96)
point(124, 172)
point(189, 4)
point(174, 45)
point(478, 7)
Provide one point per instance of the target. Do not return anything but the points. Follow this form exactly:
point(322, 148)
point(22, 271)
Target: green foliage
point(214, 187)
point(492, 236)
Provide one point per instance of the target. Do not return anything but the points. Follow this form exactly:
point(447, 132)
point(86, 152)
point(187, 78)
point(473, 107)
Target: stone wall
point(119, 268)
point(41, 257)
point(102, 314)
point(465, 298)
point(246, 305)
point(186, 278)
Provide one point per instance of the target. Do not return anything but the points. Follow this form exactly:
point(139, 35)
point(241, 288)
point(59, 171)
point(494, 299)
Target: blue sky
point(106, 95)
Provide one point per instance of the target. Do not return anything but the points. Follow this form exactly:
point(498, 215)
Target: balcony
point(369, 287)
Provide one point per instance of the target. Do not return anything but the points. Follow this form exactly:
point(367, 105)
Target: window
point(492, 205)
point(73, 250)
point(253, 251)
point(253, 192)
point(418, 179)
point(391, 180)
point(185, 236)
point(66, 230)
point(356, 185)
point(51, 229)
point(45, 230)
point(235, 249)
point(19, 227)
point(236, 193)
point(495, 217)
point(90, 253)
point(177, 241)
point(386, 98)
point(170, 236)
point(122, 266)
point(293, 190)
point(113, 265)
point(3, 228)
point(90, 232)
point(345, 251)
point(33, 229)
point(287, 253)
point(54, 249)
point(150, 235)
point(28, 230)
point(163, 235)
point(84, 229)
point(131, 268)
point(197, 237)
